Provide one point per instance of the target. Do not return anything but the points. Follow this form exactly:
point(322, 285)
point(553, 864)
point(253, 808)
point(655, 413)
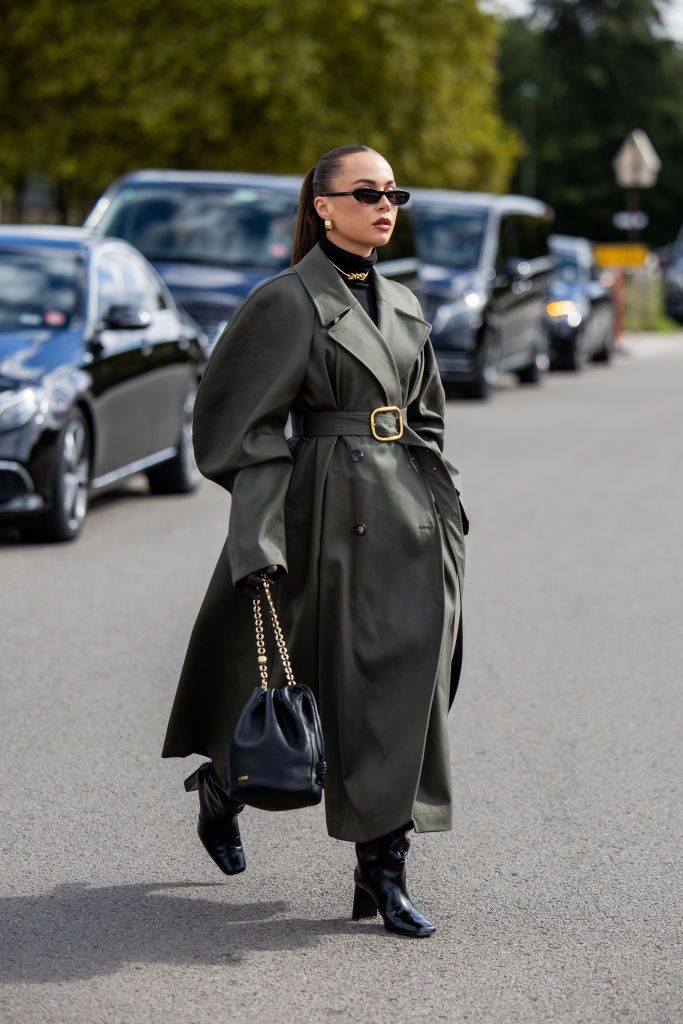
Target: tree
point(602, 68)
point(91, 90)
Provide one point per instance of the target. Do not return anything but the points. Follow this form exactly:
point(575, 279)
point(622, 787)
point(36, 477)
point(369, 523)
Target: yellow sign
point(620, 254)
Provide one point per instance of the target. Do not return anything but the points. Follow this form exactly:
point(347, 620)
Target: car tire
point(575, 357)
point(530, 374)
point(480, 387)
point(65, 517)
point(180, 474)
point(606, 350)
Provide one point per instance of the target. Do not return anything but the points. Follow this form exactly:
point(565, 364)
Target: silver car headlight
point(19, 407)
point(465, 309)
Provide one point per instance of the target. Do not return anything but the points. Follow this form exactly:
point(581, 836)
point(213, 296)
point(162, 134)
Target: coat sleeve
point(426, 412)
point(427, 406)
point(252, 379)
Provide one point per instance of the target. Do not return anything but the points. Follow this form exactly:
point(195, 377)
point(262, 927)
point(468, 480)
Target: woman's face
point(357, 227)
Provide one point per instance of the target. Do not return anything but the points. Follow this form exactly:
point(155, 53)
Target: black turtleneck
point(350, 262)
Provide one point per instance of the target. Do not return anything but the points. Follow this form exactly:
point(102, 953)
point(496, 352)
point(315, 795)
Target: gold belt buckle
point(386, 408)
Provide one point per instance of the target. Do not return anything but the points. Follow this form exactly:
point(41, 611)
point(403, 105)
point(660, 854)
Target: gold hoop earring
point(329, 224)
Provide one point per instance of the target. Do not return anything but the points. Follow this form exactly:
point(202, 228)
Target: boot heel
point(192, 782)
point(363, 905)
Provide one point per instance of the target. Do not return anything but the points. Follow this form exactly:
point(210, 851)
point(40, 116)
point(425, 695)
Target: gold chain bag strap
point(279, 638)
point(276, 757)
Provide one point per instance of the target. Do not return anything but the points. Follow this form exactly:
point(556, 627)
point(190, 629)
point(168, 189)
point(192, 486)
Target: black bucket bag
point(276, 758)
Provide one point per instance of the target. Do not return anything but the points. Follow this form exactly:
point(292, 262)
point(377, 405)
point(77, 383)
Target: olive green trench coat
point(366, 530)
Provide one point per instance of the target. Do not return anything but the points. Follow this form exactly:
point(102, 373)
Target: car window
point(567, 269)
point(532, 233)
point(143, 288)
point(111, 287)
point(448, 236)
point(39, 287)
point(231, 226)
point(522, 237)
point(401, 245)
point(508, 241)
point(157, 287)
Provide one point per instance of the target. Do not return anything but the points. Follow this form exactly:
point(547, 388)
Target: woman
point(357, 518)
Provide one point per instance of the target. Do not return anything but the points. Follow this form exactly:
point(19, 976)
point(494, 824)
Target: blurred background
point(527, 97)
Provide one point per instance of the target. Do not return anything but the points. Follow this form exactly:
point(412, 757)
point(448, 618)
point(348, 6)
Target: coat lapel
point(403, 331)
point(388, 350)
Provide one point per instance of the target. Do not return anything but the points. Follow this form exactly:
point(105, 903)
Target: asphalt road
point(557, 896)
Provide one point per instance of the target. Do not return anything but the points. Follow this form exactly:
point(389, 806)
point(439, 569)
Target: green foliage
point(602, 68)
point(88, 91)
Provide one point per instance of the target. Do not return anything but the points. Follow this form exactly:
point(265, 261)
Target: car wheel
point(180, 474)
point(604, 353)
point(531, 374)
point(69, 497)
point(480, 387)
point(575, 355)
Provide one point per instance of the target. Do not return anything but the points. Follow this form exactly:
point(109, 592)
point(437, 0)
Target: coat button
point(357, 454)
point(359, 529)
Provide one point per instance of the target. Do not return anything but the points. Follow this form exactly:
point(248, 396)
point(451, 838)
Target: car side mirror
point(506, 271)
point(122, 317)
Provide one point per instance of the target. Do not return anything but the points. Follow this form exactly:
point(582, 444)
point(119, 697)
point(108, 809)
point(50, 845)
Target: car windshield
point(240, 226)
point(39, 288)
point(449, 237)
point(567, 269)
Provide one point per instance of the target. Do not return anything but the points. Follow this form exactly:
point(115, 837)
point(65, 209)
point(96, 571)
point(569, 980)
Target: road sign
point(631, 220)
point(620, 254)
point(636, 164)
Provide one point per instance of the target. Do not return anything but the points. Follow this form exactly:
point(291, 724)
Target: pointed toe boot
point(217, 826)
point(380, 885)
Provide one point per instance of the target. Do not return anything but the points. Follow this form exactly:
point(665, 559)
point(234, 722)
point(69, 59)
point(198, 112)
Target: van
point(485, 269)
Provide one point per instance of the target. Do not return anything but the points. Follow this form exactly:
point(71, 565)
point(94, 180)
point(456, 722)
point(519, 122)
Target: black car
point(98, 373)
point(580, 307)
point(214, 236)
point(485, 270)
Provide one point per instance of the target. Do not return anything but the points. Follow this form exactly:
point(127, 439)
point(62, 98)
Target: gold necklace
point(359, 276)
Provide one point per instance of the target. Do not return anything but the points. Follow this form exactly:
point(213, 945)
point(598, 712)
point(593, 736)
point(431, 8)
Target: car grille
point(210, 318)
point(11, 485)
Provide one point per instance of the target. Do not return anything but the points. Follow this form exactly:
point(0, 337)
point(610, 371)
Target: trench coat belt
point(388, 422)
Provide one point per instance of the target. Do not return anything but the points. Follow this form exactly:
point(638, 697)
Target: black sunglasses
point(370, 196)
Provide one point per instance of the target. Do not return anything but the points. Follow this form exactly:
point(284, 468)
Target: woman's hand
point(253, 583)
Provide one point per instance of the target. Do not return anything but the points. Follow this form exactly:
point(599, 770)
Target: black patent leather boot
point(380, 885)
point(217, 826)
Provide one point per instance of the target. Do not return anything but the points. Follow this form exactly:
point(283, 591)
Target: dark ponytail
point(310, 227)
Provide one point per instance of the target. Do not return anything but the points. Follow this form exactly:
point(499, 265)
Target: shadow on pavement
point(75, 932)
